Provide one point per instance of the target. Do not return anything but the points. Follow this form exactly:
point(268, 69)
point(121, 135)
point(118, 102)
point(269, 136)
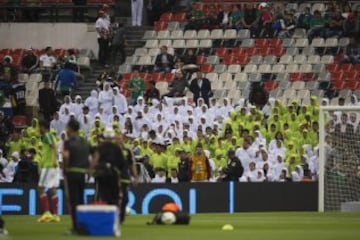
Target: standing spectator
point(102, 26)
point(8, 72)
point(250, 19)
point(56, 124)
point(201, 88)
point(137, 12)
point(120, 101)
point(106, 98)
point(164, 61)
point(79, 10)
point(178, 86)
point(65, 80)
point(47, 101)
point(29, 62)
point(200, 166)
point(152, 92)
point(118, 44)
point(18, 101)
point(92, 102)
point(184, 166)
point(47, 64)
point(136, 86)
point(234, 169)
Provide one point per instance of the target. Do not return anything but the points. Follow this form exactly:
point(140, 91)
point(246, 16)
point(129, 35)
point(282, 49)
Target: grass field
point(248, 226)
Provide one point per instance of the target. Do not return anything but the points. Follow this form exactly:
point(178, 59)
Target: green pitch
point(248, 226)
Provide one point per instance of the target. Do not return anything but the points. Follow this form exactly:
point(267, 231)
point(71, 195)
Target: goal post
point(339, 154)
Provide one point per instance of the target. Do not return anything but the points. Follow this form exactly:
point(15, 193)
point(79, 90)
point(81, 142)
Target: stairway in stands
point(133, 40)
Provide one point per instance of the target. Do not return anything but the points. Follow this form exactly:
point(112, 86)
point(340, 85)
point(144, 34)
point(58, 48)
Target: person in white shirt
point(10, 170)
point(56, 124)
point(3, 161)
point(47, 64)
point(120, 101)
point(102, 26)
point(92, 102)
point(136, 12)
point(106, 98)
point(78, 106)
point(160, 176)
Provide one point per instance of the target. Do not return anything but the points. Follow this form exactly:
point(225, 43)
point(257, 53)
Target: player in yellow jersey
point(49, 174)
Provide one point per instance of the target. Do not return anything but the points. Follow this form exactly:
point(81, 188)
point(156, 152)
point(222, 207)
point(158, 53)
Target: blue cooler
point(99, 220)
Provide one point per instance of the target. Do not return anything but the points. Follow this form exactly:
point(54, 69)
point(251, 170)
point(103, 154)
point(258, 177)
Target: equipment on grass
point(98, 220)
point(171, 214)
point(339, 157)
point(168, 218)
point(227, 227)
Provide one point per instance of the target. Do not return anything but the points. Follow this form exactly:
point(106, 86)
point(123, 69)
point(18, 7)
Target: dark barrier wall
point(193, 197)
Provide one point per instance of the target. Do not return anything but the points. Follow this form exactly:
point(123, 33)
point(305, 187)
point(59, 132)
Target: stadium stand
point(273, 77)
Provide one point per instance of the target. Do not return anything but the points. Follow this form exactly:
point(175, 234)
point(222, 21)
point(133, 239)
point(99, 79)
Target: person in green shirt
point(136, 86)
point(316, 24)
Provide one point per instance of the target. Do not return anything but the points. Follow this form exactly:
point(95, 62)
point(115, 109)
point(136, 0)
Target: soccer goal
point(339, 158)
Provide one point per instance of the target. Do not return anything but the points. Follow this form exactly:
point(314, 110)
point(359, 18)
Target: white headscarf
point(106, 98)
point(69, 105)
point(298, 174)
point(120, 101)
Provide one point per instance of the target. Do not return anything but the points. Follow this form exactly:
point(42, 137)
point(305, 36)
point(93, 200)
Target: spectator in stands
point(27, 168)
point(189, 57)
point(71, 59)
point(56, 124)
point(29, 62)
point(10, 170)
point(3, 161)
point(266, 21)
point(316, 25)
point(120, 101)
point(224, 20)
point(251, 18)
point(352, 51)
point(234, 169)
point(335, 25)
point(152, 92)
point(178, 86)
point(47, 101)
point(164, 61)
point(235, 17)
point(304, 18)
point(136, 86)
point(8, 72)
point(102, 26)
point(66, 80)
point(118, 44)
point(351, 27)
point(200, 166)
point(184, 167)
point(137, 12)
point(201, 88)
point(47, 64)
point(196, 18)
point(79, 10)
point(178, 66)
point(6, 128)
point(287, 26)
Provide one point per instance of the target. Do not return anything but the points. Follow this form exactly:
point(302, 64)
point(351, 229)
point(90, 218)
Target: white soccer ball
point(127, 211)
point(168, 218)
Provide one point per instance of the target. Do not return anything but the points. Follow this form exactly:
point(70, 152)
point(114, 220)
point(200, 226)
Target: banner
point(192, 197)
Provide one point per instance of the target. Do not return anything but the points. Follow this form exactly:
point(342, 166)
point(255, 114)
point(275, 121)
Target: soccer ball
point(168, 218)
point(127, 211)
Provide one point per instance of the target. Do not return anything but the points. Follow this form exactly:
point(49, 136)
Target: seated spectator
point(224, 20)
point(287, 26)
point(178, 66)
point(316, 26)
point(335, 25)
point(189, 57)
point(47, 64)
point(196, 18)
point(160, 176)
point(201, 88)
point(164, 61)
point(29, 62)
point(136, 86)
point(178, 86)
point(212, 17)
point(47, 101)
point(304, 18)
point(352, 51)
point(173, 176)
point(266, 21)
point(351, 27)
point(8, 173)
point(251, 19)
point(65, 80)
point(235, 17)
point(152, 92)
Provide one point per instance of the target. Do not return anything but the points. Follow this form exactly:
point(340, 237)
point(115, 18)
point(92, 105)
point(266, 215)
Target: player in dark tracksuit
point(234, 169)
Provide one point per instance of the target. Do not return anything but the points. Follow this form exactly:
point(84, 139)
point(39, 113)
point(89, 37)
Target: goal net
point(339, 157)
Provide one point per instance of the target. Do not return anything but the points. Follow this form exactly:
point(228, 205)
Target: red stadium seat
point(261, 42)
point(351, 76)
point(346, 67)
point(338, 85)
point(166, 17)
point(200, 59)
point(221, 52)
point(274, 42)
point(127, 76)
point(206, 68)
point(59, 52)
point(157, 77)
point(144, 75)
point(352, 85)
point(243, 59)
point(251, 51)
point(19, 121)
point(5, 51)
point(271, 85)
point(296, 77)
point(337, 76)
point(237, 51)
point(168, 77)
point(263, 51)
point(160, 25)
point(356, 67)
point(179, 17)
point(18, 51)
point(229, 59)
point(279, 51)
point(332, 67)
point(310, 76)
